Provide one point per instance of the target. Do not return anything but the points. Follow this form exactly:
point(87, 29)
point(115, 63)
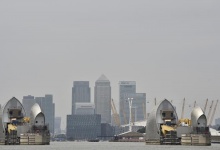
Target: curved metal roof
point(12, 103)
point(154, 119)
point(35, 111)
point(198, 117)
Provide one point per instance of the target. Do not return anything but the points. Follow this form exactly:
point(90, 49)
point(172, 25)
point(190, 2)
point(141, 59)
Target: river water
point(105, 146)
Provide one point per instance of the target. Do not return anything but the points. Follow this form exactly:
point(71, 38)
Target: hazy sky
point(170, 48)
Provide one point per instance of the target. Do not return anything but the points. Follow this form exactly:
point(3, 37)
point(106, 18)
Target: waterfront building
point(80, 93)
point(103, 99)
point(85, 109)
point(127, 89)
point(107, 131)
point(28, 102)
point(83, 127)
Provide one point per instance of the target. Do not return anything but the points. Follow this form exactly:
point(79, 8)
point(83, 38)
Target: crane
point(115, 114)
point(210, 109)
point(183, 108)
point(213, 113)
point(205, 105)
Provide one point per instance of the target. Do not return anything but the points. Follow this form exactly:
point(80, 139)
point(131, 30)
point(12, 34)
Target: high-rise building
point(57, 125)
point(139, 105)
point(48, 108)
point(85, 109)
point(28, 102)
point(80, 93)
point(103, 99)
point(127, 89)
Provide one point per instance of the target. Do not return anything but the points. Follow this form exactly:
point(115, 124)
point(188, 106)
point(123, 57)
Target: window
point(171, 115)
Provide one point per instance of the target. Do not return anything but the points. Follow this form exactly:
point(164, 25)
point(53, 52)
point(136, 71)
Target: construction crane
point(210, 109)
point(115, 114)
point(213, 113)
point(182, 115)
point(205, 105)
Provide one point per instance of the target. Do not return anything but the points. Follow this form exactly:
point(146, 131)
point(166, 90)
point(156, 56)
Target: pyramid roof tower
point(102, 78)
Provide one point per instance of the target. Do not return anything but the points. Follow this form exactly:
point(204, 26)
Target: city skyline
point(170, 48)
point(150, 103)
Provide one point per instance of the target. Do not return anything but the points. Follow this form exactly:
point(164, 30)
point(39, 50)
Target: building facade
point(57, 125)
point(103, 99)
point(217, 121)
point(107, 131)
point(139, 105)
point(83, 127)
point(85, 109)
point(28, 102)
point(80, 93)
point(127, 89)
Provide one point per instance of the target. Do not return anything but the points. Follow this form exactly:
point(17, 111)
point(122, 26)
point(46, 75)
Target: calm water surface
point(105, 146)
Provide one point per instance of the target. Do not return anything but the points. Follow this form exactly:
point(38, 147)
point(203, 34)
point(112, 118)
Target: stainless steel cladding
point(198, 117)
point(36, 116)
point(157, 117)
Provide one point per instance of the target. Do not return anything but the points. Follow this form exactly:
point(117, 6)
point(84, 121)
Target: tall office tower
point(57, 125)
point(127, 89)
point(103, 99)
point(48, 108)
point(28, 102)
point(139, 106)
point(80, 93)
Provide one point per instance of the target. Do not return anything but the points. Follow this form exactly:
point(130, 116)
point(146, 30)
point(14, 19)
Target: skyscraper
point(80, 93)
point(127, 89)
point(103, 99)
point(57, 125)
point(28, 102)
point(139, 105)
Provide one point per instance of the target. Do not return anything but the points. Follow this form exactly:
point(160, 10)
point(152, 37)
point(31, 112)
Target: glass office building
point(103, 99)
point(83, 127)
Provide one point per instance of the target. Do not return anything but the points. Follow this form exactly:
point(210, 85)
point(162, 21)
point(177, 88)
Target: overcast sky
point(170, 48)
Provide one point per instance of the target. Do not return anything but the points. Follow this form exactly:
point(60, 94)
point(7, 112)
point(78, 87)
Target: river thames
point(105, 146)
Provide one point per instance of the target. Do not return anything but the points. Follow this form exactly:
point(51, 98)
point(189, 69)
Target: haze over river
point(105, 146)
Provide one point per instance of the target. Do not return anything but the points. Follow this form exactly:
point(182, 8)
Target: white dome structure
point(37, 117)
